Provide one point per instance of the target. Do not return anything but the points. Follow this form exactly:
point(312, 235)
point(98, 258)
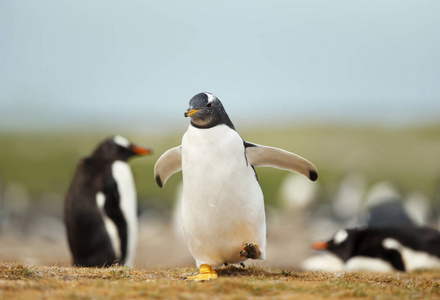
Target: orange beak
point(141, 150)
point(191, 112)
point(320, 245)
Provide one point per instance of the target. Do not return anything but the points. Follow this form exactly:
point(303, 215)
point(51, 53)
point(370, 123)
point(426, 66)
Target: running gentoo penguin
point(101, 207)
point(385, 249)
point(222, 207)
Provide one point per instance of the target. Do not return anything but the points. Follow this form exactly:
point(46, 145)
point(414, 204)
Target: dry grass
point(19, 281)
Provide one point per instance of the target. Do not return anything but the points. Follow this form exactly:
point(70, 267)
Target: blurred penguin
point(418, 208)
point(348, 198)
point(297, 193)
point(388, 214)
point(296, 196)
point(384, 206)
point(381, 192)
point(343, 210)
point(385, 249)
point(388, 237)
point(101, 206)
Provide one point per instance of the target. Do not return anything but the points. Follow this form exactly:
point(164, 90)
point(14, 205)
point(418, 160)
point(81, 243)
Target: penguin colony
point(101, 206)
point(222, 209)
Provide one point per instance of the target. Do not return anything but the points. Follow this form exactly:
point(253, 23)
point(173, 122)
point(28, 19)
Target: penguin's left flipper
point(169, 163)
point(112, 208)
point(206, 273)
point(250, 251)
point(264, 156)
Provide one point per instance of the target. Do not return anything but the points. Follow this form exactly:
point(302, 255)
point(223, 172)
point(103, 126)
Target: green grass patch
point(44, 163)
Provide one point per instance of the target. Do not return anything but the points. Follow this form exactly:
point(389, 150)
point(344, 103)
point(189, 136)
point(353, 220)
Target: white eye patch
point(390, 243)
point(340, 236)
point(211, 97)
point(121, 141)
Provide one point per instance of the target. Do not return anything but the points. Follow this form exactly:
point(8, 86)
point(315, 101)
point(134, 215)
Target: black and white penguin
point(385, 249)
point(101, 206)
point(223, 213)
point(387, 214)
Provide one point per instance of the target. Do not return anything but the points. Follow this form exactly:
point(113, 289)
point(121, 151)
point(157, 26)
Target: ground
point(19, 281)
point(160, 245)
point(35, 262)
point(35, 268)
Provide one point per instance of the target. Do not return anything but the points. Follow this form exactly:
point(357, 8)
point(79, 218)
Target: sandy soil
point(158, 246)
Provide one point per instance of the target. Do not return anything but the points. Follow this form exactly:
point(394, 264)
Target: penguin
point(391, 213)
point(346, 204)
point(100, 209)
point(385, 210)
point(385, 249)
point(297, 194)
point(223, 213)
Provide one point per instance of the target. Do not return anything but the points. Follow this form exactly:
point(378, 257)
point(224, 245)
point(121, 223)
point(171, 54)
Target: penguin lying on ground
point(383, 208)
point(222, 207)
point(385, 249)
point(101, 208)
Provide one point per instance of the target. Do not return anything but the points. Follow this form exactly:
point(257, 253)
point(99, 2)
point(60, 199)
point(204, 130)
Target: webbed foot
point(206, 273)
point(250, 251)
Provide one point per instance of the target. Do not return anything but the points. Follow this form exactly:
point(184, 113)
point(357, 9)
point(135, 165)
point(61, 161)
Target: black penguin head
point(118, 148)
point(207, 111)
point(342, 243)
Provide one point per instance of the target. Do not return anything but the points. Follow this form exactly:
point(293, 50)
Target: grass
point(19, 281)
point(44, 163)
point(408, 156)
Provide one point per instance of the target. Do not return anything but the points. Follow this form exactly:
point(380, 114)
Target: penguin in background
point(385, 249)
point(101, 206)
point(223, 213)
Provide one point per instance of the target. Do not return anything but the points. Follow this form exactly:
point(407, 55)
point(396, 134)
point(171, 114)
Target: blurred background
point(352, 86)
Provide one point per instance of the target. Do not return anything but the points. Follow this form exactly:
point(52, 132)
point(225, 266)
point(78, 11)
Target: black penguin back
point(88, 238)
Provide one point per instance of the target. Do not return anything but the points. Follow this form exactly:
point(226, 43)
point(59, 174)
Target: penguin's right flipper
point(169, 163)
point(264, 156)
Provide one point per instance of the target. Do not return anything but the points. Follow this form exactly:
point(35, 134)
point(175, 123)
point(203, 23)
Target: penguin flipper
point(112, 208)
point(264, 156)
point(169, 163)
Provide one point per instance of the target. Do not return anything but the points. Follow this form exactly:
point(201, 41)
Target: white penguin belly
point(127, 202)
point(223, 205)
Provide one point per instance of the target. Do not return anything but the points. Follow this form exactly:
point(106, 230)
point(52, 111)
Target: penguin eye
point(209, 104)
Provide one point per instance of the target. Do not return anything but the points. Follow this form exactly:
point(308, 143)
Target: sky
point(136, 64)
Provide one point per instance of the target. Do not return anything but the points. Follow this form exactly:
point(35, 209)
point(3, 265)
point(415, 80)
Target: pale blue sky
point(136, 64)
